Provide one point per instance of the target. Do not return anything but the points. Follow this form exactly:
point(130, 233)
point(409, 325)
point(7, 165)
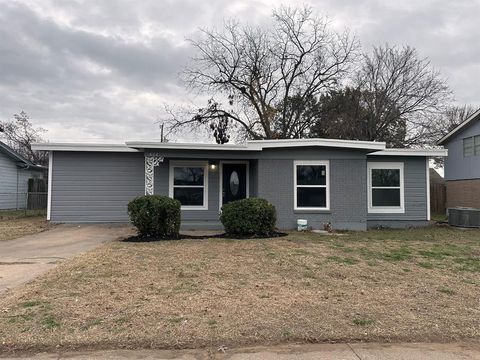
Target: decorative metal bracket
point(151, 160)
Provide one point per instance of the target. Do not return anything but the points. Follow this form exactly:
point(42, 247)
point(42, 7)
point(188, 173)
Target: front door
point(234, 182)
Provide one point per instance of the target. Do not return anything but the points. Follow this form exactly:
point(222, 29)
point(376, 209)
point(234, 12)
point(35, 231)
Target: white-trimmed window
point(385, 187)
point(189, 184)
point(311, 185)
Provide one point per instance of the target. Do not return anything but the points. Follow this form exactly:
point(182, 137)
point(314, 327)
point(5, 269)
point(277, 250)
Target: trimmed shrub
point(249, 217)
point(155, 216)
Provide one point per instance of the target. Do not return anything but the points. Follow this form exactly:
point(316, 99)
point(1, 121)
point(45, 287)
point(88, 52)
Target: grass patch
point(446, 290)
point(202, 293)
point(343, 260)
point(49, 322)
point(11, 228)
point(363, 322)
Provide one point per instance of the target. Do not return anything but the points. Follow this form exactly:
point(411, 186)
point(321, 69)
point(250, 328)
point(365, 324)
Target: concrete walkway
point(24, 258)
point(418, 351)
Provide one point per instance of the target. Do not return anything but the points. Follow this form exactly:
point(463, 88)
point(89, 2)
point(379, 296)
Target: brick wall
point(464, 193)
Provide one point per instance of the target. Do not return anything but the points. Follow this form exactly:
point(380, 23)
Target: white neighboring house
point(15, 171)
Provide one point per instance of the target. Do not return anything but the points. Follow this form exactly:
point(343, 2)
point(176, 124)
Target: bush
point(155, 216)
point(249, 217)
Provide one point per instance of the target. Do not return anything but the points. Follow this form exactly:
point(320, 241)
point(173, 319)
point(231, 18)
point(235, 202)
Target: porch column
point(151, 160)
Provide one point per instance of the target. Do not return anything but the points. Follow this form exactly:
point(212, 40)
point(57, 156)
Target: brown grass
point(16, 227)
point(414, 285)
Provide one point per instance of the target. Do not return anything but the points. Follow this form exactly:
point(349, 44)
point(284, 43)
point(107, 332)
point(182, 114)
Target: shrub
point(249, 217)
point(155, 216)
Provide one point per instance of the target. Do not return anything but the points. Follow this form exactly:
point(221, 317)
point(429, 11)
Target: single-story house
point(347, 183)
point(462, 167)
point(15, 171)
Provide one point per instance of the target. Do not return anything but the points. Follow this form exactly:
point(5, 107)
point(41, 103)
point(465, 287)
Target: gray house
point(462, 167)
point(15, 171)
point(350, 184)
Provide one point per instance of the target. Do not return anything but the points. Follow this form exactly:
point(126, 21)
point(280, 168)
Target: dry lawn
point(14, 224)
point(385, 285)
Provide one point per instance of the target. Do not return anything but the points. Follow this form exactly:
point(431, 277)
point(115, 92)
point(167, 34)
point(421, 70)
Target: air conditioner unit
point(464, 217)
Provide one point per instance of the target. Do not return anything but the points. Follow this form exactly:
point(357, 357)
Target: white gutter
point(184, 146)
point(352, 144)
point(411, 152)
point(50, 146)
point(50, 180)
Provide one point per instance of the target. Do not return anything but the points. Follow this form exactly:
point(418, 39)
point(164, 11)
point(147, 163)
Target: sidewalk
point(420, 351)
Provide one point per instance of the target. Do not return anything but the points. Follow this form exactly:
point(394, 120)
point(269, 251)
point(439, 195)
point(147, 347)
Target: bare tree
point(19, 134)
point(453, 116)
point(398, 86)
point(253, 72)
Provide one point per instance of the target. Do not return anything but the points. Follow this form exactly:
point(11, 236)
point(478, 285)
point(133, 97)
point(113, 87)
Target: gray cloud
point(104, 69)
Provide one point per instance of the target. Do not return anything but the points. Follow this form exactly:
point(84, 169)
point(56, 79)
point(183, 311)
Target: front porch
point(201, 184)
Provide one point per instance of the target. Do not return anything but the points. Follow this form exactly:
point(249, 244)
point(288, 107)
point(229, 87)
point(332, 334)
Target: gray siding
point(348, 204)
point(8, 183)
point(95, 187)
point(415, 190)
point(458, 167)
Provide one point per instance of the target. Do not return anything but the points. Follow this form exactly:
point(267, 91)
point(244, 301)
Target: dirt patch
point(374, 286)
point(17, 227)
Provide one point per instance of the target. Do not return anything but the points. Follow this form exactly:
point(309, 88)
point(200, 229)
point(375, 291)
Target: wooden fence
point(438, 198)
point(37, 195)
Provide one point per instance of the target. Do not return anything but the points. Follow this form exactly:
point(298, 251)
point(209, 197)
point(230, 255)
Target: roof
point(19, 159)
point(254, 145)
point(372, 147)
point(469, 121)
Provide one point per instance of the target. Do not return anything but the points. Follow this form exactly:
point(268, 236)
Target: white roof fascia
point(353, 144)
point(411, 152)
point(184, 146)
point(51, 146)
point(459, 127)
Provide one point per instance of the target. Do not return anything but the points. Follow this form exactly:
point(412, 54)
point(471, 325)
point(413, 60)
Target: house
point(15, 171)
point(350, 184)
point(462, 167)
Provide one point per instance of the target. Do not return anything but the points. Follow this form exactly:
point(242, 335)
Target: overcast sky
point(88, 70)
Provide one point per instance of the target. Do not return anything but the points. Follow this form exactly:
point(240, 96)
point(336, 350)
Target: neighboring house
point(350, 184)
point(462, 167)
point(15, 171)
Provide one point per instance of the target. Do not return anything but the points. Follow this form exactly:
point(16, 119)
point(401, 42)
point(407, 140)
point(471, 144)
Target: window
point(312, 190)
point(468, 147)
point(189, 184)
point(385, 188)
point(476, 141)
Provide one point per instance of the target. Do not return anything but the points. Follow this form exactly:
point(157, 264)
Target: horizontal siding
point(415, 191)
point(8, 183)
point(458, 167)
point(95, 187)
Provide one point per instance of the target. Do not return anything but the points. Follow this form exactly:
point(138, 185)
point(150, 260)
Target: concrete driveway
point(24, 258)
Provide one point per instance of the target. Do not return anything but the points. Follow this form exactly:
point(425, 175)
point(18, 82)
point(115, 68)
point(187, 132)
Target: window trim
point(186, 163)
point(325, 163)
point(386, 209)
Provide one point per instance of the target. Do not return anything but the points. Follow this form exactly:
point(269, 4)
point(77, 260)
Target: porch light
point(213, 165)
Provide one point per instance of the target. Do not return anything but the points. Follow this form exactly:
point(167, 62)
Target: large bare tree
point(254, 72)
point(395, 96)
point(20, 134)
point(399, 85)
